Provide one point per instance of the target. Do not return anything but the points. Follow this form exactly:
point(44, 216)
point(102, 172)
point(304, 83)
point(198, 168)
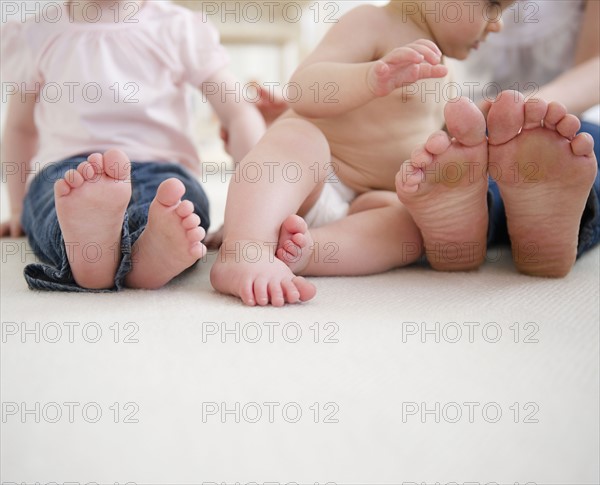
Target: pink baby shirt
point(112, 85)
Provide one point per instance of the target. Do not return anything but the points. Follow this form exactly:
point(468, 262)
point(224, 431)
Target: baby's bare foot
point(545, 173)
point(295, 245)
point(444, 187)
point(250, 271)
point(90, 204)
point(213, 240)
point(171, 241)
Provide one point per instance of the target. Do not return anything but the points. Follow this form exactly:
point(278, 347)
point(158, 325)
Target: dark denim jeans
point(589, 232)
point(40, 221)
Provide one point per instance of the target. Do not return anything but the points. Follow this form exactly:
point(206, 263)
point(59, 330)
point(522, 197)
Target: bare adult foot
point(171, 241)
point(90, 204)
point(295, 245)
point(545, 173)
point(444, 187)
point(250, 271)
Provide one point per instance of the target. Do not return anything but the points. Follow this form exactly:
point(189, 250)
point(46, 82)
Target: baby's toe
point(295, 223)
point(276, 293)
point(307, 290)
point(299, 240)
point(282, 254)
point(73, 178)
point(96, 160)
point(169, 192)
point(291, 250)
point(292, 295)
point(261, 294)
point(247, 293)
point(89, 171)
point(61, 188)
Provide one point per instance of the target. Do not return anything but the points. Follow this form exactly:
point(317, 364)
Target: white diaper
point(332, 205)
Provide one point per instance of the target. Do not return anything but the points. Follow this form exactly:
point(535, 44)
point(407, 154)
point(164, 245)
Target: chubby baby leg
point(246, 265)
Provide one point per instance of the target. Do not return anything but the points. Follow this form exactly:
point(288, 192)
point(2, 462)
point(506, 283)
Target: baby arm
point(242, 121)
point(19, 145)
point(349, 69)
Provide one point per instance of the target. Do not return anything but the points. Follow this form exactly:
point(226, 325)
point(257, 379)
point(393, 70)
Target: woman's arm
point(588, 45)
point(579, 87)
point(19, 145)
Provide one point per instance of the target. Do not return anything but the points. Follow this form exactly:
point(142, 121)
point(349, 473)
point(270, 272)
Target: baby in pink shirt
point(110, 76)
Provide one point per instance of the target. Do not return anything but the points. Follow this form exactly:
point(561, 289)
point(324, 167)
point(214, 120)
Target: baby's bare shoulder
point(389, 27)
point(368, 15)
point(358, 36)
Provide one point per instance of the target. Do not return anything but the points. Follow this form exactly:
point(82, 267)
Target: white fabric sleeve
point(17, 61)
point(200, 50)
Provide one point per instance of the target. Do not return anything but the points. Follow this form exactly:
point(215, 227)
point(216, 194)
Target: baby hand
point(12, 227)
point(405, 65)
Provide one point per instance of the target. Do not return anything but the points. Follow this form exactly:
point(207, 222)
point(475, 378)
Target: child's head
point(456, 26)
